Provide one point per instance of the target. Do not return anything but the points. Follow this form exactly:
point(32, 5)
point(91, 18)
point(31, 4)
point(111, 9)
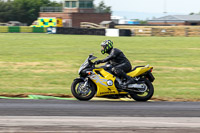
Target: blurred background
point(162, 33)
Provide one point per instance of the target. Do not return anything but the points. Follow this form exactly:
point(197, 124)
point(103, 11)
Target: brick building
point(176, 20)
point(76, 11)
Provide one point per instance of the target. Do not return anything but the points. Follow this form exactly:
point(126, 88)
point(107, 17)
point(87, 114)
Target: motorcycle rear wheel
point(142, 96)
point(82, 96)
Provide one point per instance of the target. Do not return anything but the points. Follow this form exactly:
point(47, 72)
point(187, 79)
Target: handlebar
point(95, 63)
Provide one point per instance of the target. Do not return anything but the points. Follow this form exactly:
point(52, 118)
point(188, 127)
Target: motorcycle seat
point(136, 68)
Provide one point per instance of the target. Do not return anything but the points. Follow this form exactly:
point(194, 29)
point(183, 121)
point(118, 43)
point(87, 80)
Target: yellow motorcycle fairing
point(140, 70)
point(105, 82)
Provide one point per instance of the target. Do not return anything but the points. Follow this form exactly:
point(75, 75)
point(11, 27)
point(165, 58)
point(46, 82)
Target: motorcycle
point(100, 81)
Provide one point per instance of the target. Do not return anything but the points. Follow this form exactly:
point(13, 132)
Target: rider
point(116, 58)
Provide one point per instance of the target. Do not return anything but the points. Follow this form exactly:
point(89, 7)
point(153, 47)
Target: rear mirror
point(91, 55)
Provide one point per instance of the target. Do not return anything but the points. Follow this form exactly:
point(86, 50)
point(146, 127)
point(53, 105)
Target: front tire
point(141, 96)
point(83, 94)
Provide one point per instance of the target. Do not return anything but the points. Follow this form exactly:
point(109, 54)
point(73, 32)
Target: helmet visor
point(103, 47)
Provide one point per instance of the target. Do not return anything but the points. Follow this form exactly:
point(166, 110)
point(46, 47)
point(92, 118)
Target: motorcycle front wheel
point(83, 93)
point(146, 95)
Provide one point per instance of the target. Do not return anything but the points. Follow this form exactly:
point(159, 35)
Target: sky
point(147, 9)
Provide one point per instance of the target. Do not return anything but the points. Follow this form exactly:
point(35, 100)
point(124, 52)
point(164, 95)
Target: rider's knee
point(116, 71)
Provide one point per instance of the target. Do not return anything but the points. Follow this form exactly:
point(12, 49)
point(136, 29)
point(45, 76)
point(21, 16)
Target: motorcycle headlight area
point(109, 82)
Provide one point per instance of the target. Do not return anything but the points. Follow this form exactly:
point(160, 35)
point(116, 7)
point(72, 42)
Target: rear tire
point(150, 92)
point(75, 89)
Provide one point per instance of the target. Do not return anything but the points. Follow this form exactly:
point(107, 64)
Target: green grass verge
point(44, 63)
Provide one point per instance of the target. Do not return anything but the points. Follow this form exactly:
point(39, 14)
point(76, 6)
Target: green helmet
point(107, 45)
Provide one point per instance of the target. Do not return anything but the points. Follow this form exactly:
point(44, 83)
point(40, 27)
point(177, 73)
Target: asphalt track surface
point(98, 108)
point(98, 116)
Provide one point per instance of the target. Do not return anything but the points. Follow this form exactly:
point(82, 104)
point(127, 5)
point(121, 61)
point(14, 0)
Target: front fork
point(85, 88)
point(86, 83)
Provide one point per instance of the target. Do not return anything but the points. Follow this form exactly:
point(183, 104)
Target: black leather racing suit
point(120, 64)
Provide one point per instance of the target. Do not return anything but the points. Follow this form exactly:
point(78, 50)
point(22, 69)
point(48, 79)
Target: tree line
point(26, 11)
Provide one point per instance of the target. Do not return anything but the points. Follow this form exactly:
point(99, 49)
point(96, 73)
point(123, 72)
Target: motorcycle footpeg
point(123, 86)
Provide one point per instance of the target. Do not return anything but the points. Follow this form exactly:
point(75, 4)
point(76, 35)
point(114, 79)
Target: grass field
point(43, 63)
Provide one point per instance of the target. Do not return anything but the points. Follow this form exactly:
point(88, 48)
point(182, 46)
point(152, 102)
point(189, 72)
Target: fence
point(59, 30)
point(79, 31)
point(135, 31)
point(188, 31)
point(22, 29)
point(82, 31)
point(141, 31)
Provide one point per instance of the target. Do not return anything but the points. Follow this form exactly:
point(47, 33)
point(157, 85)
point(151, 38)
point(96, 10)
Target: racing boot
point(129, 80)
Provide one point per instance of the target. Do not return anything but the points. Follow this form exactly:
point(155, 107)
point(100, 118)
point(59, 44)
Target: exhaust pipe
point(137, 86)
